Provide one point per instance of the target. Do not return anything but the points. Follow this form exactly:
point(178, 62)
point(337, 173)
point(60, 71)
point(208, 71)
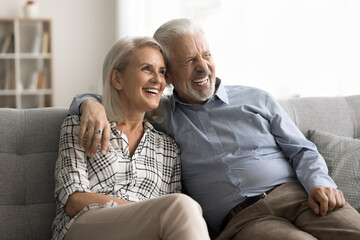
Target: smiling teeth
point(155, 91)
point(201, 81)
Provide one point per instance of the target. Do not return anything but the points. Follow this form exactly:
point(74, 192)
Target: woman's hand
point(93, 117)
point(78, 200)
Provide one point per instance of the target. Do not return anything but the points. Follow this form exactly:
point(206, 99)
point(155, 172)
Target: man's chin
point(202, 96)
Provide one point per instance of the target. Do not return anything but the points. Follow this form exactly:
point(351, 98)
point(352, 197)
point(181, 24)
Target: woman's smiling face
point(142, 82)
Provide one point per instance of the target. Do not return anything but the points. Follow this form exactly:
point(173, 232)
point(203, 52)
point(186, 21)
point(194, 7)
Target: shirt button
point(250, 120)
point(218, 150)
point(209, 129)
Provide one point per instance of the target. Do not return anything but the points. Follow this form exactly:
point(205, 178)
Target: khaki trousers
point(173, 217)
point(285, 214)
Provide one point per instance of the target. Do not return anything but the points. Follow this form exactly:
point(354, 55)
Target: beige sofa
point(29, 145)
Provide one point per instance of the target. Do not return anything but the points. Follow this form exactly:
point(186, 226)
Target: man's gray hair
point(173, 29)
point(118, 58)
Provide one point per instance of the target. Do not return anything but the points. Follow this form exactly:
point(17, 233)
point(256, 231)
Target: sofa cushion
point(342, 155)
point(28, 152)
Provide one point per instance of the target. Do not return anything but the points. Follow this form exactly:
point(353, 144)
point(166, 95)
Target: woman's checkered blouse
point(152, 171)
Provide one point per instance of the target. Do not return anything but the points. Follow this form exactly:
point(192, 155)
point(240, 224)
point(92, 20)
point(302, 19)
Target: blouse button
point(250, 120)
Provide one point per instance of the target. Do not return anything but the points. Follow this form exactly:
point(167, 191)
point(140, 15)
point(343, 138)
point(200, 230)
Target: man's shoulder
point(245, 91)
point(166, 99)
point(166, 103)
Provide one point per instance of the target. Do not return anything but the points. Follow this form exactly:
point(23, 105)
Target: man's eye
point(147, 69)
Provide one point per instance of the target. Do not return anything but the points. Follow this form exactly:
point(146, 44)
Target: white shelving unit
point(25, 63)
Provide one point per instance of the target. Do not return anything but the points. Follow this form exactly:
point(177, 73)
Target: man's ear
point(115, 79)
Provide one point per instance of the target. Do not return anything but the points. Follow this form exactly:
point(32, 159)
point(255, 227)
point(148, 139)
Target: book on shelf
point(41, 80)
point(36, 47)
point(7, 43)
point(9, 79)
point(11, 48)
point(2, 80)
point(41, 43)
point(37, 80)
point(3, 42)
point(45, 48)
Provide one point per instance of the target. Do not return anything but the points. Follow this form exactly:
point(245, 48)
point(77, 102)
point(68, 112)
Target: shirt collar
point(220, 93)
point(147, 126)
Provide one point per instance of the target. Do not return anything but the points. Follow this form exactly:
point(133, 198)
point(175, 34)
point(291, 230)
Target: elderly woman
point(128, 192)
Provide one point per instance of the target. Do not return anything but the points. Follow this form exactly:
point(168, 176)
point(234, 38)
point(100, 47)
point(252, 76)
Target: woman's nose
point(158, 77)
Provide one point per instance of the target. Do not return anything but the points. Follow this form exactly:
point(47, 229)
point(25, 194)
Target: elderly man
point(252, 171)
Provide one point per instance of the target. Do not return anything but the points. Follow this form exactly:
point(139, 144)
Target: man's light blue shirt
point(240, 143)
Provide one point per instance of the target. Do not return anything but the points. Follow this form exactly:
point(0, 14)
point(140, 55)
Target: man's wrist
point(74, 108)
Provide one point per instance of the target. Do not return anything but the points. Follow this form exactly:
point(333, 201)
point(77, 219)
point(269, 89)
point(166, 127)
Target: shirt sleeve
point(79, 98)
point(310, 167)
point(71, 166)
point(175, 183)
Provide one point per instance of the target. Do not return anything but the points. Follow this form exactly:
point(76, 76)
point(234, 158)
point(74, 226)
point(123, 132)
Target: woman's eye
point(162, 72)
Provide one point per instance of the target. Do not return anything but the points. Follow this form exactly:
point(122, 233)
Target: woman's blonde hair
point(118, 58)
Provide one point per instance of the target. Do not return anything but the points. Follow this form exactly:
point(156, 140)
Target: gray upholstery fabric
point(342, 156)
point(336, 115)
point(28, 151)
point(29, 143)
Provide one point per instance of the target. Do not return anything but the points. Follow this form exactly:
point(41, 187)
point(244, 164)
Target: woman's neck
point(133, 128)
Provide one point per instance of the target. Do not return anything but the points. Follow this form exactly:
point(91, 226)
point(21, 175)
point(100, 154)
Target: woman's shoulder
point(71, 122)
point(72, 119)
point(71, 125)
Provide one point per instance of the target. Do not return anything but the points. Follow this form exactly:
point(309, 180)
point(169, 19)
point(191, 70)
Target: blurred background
point(291, 48)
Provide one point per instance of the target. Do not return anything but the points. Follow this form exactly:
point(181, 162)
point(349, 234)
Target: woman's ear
point(116, 79)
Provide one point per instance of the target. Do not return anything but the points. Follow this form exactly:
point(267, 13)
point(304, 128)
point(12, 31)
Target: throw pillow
point(342, 156)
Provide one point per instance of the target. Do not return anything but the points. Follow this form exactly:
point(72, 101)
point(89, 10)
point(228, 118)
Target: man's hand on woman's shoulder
point(93, 118)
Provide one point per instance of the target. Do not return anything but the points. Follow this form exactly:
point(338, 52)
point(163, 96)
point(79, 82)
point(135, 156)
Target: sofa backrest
point(29, 144)
point(28, 150)
point(336, 115)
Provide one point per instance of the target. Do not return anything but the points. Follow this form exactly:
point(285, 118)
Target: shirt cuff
point(74, 108)
point(325, 181)
point(64, 193)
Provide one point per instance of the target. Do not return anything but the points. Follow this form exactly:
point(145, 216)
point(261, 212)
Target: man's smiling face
point(192, 69)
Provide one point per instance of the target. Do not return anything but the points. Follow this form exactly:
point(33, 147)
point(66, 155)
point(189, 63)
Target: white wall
point(291, 48)
point(287, 47)
point(83, 32)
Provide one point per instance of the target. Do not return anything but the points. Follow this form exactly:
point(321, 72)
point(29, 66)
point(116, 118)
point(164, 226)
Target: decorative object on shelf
point(31, 9)
point(25, 67)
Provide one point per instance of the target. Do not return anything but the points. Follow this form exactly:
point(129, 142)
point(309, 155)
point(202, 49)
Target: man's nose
point(202, 65)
